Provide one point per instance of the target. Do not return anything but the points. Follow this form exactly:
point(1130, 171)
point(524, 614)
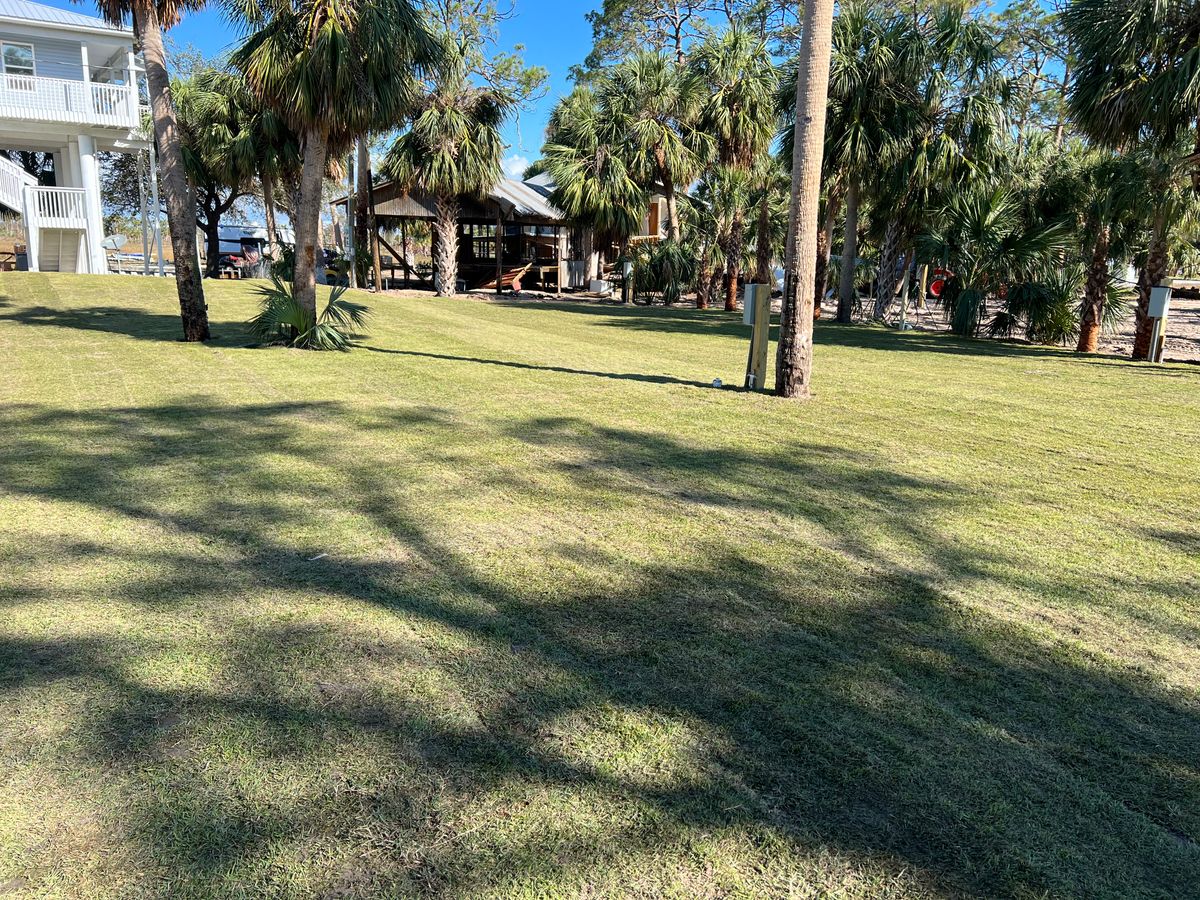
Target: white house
point(68, 86)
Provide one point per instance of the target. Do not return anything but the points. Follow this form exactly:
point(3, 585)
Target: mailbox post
point(756, 312)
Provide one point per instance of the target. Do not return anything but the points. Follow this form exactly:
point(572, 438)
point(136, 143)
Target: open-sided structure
point(534, 236)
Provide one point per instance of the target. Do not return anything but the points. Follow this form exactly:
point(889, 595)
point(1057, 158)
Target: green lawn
point(510, 602)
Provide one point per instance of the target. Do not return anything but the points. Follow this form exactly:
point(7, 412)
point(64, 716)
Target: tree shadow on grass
point(531, 367)
point(108, 319)
point(818, 700)
point(861, 336)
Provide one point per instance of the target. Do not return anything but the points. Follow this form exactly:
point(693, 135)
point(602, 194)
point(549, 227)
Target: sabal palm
point(656, 103)
point(982, 236)
point(259, 141)
point(452, 149)
point(916, 107)
point(1137, 69)
point(1100, 191)
point(1137, 81)
point(588, 159)
point(214, 123)
point(872, 110)
point(150, 17)
point(740, 115)
point(333, 70)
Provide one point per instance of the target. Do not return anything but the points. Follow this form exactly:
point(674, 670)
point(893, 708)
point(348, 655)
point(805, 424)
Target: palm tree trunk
point(267, 181)
point(716, 280)
point(885, 281)
point(672, 204)
point(703, 277)
point(181, 202)
point(373, 234)
point(1095, 293)
point(793, 362)
point(212, 237)
point(733, 260)
point(362, 246)
point(833, 204)
point(849, 256)
point(762, 242)
point(590, 258)
point(307, 224)
point(445, 262)
point(1152, 274)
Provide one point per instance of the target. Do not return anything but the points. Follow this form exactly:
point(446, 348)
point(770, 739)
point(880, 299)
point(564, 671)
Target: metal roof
point(524, 200)
point(516, 200)
point(52, 15)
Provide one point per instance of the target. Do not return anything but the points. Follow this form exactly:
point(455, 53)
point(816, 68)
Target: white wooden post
point(89, 103)
point(157, 212)
point(141, 173)
point(131, 84)
point(29, 212)
point(90, 172)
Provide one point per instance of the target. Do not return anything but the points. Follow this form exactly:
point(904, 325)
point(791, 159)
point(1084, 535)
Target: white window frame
point(4, 62)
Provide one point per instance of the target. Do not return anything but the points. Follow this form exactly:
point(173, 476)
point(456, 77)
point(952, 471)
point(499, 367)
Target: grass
point(509, 601)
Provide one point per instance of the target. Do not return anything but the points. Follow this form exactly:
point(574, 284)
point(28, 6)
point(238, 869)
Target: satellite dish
point(114, 242)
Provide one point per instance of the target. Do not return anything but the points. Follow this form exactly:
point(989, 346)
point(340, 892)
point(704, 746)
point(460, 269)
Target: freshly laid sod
point(509, 601)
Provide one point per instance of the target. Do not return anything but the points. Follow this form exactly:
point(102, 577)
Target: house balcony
point(32, 98)
point(51, 207)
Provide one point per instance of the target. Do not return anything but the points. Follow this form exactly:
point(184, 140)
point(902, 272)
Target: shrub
point(282, 320)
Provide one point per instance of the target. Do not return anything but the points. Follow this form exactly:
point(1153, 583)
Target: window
point(18, 59)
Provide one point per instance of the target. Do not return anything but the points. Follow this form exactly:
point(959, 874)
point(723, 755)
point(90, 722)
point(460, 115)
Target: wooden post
point(499, 248)
point(404, 251)
point(373, 232)
point(558, 275)
point(141, 174)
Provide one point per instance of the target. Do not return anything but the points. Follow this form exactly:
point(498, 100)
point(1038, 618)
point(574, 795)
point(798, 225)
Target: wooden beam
point(408, 270)
point(558, 279)
point(499, 249)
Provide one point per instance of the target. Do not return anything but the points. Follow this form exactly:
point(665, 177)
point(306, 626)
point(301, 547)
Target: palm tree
point(793, 363)
point(588, 158)
point(867, 95)
point(914, 109)
point(727, 191)
point(211, 124)
point(770, 192)
point(149, 20)
point(984, 238)
point(1136, 82)
point(333, 70)
point(739, 114)
point(657, 103)
point(951, 134)
point(451, 150)
point(1102, 192)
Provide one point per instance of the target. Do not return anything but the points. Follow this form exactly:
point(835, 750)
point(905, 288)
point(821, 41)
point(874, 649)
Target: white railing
point(31, 98)
point(13, 180)
point(51, 207)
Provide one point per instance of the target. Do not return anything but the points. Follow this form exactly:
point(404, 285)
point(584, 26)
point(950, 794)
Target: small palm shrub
point(664, 268)
point(282, 320)
point(1045, 311)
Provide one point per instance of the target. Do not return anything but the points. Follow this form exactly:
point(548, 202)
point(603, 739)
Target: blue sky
point(554, 32)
